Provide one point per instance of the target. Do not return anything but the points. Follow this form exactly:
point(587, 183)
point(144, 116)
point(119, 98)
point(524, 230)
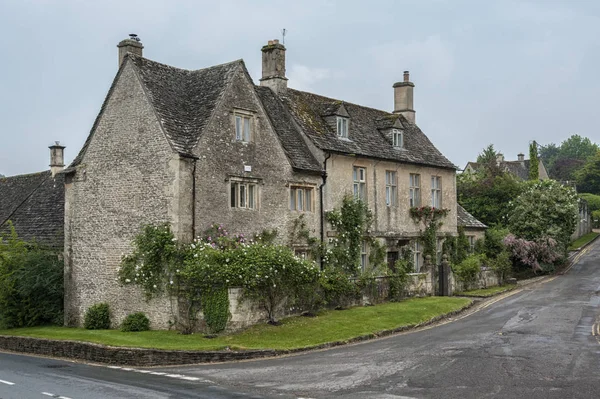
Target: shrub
point(31, 284)
point(501, 265)
point(540, 254)
point(97, 317)
point(135, 322)
point(338, 290)
point(215, 307)
point(493, 243)
point(467, 271)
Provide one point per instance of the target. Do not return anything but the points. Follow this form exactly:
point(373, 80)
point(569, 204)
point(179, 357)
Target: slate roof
point(519, 169)
point(35, 204)
point(293, 143)
point(183, 100)
point(365, 136)
point(465, 219)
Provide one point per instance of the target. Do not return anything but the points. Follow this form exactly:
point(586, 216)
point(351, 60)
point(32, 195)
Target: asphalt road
point(537, 343)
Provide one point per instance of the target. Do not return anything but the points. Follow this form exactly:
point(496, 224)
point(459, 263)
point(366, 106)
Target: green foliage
point(135, 322)
point(429, 217)
point(338, 290)
point(215, 306)
point(534, 163)
point(493, 243)
point(467, 271)
point(400, 276)
point(31, 284)
point(97, 317)
point(588, 177)
point(501, 265)
point(545, 209)
point(488, 162)
point(564, 161)
point(592, 200)
point(351, 222)
point(488, 155)
point(154, 260)
point(457, 248)
point(300, 234)
point(487, 197)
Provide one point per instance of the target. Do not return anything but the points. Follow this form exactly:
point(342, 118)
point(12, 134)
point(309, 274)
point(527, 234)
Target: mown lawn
point(294, 332)
point(487, 292)
point(581, 241)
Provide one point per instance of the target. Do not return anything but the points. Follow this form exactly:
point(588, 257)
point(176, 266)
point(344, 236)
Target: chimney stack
point(521, 157)
point(131, 45)
point(499, 158)
point(57, 158)
point(403, 98)
point(273, 67)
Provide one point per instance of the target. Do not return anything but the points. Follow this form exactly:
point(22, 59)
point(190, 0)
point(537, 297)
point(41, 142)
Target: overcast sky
point(502, 72)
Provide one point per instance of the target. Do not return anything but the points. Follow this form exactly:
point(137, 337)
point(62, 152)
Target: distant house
point(473, 228)
point(518, 168)
point(34, 203)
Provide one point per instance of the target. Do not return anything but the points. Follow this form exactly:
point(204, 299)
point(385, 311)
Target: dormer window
point(398, 138)
point(342, 127)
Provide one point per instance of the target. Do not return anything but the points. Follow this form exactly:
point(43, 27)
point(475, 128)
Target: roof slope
point(309, 111)
point(291, 140)
point(465, 219)
point(37, 210)
point(184, 100)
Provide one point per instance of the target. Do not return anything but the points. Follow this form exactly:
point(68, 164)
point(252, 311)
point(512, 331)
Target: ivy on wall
point(430, 219)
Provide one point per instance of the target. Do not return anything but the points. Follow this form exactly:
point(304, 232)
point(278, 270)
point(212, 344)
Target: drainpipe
point(324, 177)
point(194, 160)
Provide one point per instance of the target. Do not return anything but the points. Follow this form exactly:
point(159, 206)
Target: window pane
point(388, 195)
point(293, 199)
point(251, 189)
point(300, 199)
point(238, 128)
point(233, 194)
point(247, 129)
point(242, 195)
point(354, 174)
point(417, 197)
point(308, 203)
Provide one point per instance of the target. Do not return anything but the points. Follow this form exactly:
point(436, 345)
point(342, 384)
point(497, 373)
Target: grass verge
point(487, 292)
point(293, 333)
point(581, 241)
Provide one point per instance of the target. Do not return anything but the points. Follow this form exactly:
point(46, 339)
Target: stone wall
point(486, 278)
point(223, 159)
point(127, 178)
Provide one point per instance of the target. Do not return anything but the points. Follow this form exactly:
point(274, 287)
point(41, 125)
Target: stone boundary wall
point(95, 353)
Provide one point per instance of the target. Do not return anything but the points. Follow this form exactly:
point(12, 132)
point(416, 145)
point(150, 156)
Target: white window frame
point(417, 256)
point(342, 127)
point(359, 183)
point(243, 127)
point(398, 138)
point(471, 240)
point(391, 188)
point(301, 198)
point(414, 190)
point(436, 191)
point(243, 195)
point(364, 258)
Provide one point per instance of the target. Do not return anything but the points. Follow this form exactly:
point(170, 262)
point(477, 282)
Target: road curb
point(122, 356)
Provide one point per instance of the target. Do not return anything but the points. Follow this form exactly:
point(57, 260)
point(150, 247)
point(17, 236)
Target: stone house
point(34, 203)
point(518, 168)
point(473, 228)
point(194, 148)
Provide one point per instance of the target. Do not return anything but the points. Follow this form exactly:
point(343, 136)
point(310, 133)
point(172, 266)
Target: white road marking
point(54, 396)
point(7, 382)
point(160, 373)
point(114, 367)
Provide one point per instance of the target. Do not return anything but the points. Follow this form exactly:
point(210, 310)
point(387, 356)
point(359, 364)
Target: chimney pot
point(521, 157)
point(131, 45)
point(273, 67)
point(57, 156)
point(403, 98)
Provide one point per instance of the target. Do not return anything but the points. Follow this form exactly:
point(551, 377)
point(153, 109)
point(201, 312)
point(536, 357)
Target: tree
point(545, 209)
point(534, 167)
point(588, 177)
point(577, 147)
point(488, 160)
point(487, 197)
point(549, 153)
point(564, 169)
